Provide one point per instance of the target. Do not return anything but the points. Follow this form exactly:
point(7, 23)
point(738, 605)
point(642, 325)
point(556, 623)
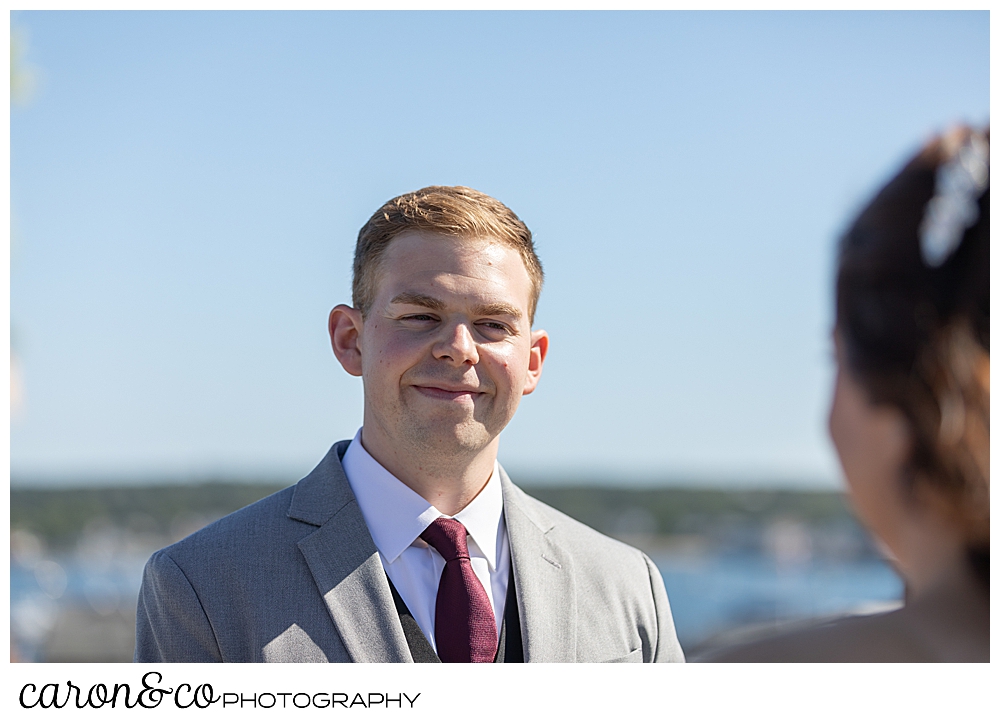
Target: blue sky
point(186, 189)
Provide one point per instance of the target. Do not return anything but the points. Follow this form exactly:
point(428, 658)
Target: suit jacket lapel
point(345, 565)
point(543, 573)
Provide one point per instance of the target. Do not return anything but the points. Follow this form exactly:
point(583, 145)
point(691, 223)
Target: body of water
point(709, 593)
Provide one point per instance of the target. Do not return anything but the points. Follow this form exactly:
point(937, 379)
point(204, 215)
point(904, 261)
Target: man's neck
point(449, 482)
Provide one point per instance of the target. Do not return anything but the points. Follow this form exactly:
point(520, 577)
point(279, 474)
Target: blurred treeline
point(684, 511)
point(59, 516)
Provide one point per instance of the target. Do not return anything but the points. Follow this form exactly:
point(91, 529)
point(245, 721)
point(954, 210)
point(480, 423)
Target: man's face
point(447, 348)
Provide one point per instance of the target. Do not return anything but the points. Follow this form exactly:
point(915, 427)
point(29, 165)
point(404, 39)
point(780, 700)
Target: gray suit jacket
point(296, 577)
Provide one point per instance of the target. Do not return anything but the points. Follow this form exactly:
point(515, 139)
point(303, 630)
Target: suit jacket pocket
point(634, 657)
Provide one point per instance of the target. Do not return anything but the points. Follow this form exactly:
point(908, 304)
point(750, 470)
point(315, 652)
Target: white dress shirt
point(396, 515)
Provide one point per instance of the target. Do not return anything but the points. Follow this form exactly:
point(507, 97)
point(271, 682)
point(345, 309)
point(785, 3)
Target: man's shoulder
point(615, 590)
point(588, 544)
point(282, 517)
point(242, 530)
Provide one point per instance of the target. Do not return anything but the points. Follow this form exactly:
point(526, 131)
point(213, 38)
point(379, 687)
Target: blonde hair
point(457, 211)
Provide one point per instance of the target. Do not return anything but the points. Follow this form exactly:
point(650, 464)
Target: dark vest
point(509, 648)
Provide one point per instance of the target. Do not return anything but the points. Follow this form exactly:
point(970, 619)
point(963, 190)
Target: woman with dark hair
point(910, 411)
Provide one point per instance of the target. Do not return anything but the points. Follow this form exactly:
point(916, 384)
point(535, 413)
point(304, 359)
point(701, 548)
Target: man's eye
point(496, 326)
point(418, 320)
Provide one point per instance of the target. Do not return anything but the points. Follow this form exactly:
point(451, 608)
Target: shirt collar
point(482, 516)
point(396, 515)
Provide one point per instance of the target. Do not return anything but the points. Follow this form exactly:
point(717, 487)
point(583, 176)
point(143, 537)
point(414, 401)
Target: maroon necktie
point(464, 626)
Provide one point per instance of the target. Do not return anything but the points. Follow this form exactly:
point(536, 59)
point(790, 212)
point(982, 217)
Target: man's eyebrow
point(497, 309)
point(408, 297)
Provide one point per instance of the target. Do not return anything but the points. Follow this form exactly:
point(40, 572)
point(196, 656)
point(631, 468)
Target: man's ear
point(539, 349)
point(346, 324)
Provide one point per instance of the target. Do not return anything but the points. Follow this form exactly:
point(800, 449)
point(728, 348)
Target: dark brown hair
point(916, 336)
point(457, 211)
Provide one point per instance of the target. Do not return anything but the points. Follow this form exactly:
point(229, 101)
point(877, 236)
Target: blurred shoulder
point(882, 638)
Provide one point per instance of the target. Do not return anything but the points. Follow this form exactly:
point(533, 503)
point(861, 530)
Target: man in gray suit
point(409, 542)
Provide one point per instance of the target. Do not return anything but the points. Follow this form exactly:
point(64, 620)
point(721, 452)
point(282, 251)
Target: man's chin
point(453, 437)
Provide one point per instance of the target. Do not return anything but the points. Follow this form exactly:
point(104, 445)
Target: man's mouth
point(447, 393)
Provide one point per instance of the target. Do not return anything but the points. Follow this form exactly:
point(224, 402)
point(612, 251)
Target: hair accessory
point(954, 208)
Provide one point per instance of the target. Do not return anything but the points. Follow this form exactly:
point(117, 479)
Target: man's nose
point(456, 345)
